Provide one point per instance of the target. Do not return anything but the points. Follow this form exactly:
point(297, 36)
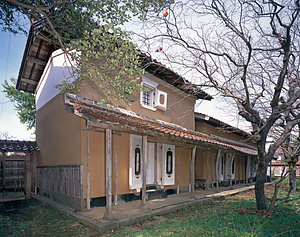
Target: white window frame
point(154, 94)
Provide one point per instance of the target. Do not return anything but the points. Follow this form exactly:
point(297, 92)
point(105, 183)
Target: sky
point(12, 48)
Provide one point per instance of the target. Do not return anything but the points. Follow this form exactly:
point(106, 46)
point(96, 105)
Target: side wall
point(59, 159)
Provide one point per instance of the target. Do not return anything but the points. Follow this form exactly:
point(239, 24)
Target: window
point(148, 96)
point(137, 161)
point(152, 98)
point(169, 163)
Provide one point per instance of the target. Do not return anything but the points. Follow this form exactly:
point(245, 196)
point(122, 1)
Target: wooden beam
point(37, 61)
point(144, 169)
point(115, 171)
point(29, 81)
point(218, 169)
point(108, 165)
point(88, 199)
point(177, 171)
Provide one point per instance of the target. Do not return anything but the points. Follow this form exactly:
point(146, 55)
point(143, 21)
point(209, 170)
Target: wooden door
point(12, 178)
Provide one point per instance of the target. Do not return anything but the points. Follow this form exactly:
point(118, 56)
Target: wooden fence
point(12, 178)
point(64, 179)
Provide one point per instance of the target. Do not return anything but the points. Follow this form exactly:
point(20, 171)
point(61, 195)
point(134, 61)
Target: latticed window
point(146, 97)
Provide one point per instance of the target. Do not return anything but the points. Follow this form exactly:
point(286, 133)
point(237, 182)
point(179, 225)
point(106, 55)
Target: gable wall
point(58, 134)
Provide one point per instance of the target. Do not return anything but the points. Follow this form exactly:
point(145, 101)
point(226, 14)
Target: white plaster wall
point(56, 71)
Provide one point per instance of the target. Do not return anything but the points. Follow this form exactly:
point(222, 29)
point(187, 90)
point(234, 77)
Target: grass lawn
point(30, 218)
point(234, 216)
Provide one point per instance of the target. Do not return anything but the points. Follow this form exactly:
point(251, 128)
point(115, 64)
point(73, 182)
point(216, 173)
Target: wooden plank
point(144, 165)
point(37, 61)
point(28, 184)
point(115, 171)
point(88, 182)
point(29, 81)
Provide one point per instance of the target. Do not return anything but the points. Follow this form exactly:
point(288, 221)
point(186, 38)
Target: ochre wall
point(207, 128)
point(180, 107)
point(201, 171)
point(58, 134)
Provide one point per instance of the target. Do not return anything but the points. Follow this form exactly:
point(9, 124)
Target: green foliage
point(24, 103)
point(107, 57)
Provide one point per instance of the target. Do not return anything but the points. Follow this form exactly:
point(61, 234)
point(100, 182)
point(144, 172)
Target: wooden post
point(88, 199)
point(217, 169)
point(144, 165)
point(247, 170)
point(212, 171)
point(190, 178)
point(240, 169)
point(34, 168)
point(177, 171)
point(231, 162)
point(27, 176)
point(193, 170)
point(207, 156)
point(155, 164)
point(108, 164)
point(115, 171)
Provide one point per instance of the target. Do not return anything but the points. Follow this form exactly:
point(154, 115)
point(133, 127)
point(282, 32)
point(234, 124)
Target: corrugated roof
point(121, 119)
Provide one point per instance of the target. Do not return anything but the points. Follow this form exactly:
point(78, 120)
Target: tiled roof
point(16, 145)
point(121, 119)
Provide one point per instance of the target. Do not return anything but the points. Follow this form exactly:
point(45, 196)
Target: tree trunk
point(260, 186)
point(292, 190)
point(277, 186)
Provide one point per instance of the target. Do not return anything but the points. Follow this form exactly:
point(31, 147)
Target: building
point(93, 155)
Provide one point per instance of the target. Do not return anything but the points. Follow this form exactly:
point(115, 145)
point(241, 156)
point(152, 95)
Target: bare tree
point(4, 135)
point(248, 51)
